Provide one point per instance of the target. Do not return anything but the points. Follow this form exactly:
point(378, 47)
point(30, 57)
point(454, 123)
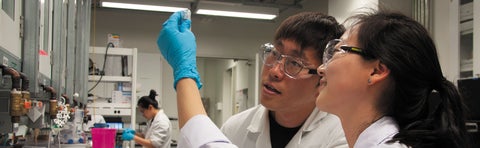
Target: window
point(9, 7)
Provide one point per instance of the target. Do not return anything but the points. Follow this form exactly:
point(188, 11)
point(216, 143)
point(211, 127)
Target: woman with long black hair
point(377, 78)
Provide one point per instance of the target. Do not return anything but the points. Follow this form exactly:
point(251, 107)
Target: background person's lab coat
point(159, 131)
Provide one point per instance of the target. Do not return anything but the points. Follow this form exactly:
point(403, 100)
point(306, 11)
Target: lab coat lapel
point(260, 128)
point(311, 123)
point(313, 120)
point(149, 124)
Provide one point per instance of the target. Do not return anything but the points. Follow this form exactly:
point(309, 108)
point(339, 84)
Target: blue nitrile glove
point(128, 134)
point(128, 130)
point(178, 47)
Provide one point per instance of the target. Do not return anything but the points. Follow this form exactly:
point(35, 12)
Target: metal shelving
point(116, 109)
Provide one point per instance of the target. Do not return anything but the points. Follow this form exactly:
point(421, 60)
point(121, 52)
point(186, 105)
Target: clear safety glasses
point(293, 67)
point(334, 48)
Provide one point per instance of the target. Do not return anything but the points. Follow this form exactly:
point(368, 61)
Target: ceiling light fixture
point(147, 7)
point(236, 10)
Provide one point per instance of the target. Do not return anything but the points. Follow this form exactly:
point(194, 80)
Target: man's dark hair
point(309, 29)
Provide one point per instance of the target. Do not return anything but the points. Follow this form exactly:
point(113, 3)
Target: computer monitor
point(115, 125)
point(114, 122)
point(470, 90)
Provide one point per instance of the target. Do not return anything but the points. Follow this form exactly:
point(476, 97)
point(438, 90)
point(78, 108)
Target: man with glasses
point(287, 116)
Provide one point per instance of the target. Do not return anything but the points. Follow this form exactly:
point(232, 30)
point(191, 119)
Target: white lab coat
point(159, 131)
point(377, 134)
point(201, 132)
point(251, 129)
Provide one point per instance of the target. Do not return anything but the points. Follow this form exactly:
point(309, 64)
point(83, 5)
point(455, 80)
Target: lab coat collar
point(257, 124)
point(157, 116)
point(313, 120)
point(261, 117)
point(377, 133)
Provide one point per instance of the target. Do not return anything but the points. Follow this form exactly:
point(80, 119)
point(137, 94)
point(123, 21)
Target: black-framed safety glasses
point(335, 48)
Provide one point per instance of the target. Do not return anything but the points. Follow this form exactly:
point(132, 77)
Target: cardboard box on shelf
point(114, 39)
point(121, 97)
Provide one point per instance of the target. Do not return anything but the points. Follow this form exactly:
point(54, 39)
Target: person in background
point(287, 116)
point(177, 45)
point(377, 78)
point(159, 129)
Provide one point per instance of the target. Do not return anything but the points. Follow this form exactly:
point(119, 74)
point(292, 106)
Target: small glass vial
point(126, 144)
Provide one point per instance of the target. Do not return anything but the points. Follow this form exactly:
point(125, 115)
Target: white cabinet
point(469, 12)
point(113, 86)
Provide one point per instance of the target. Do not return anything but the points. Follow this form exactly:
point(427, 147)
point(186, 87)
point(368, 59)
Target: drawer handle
point(471, 127)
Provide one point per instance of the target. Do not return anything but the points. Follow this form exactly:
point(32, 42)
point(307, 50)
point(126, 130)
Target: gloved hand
point(128, 134)
point(178, 47)
point(128, 130)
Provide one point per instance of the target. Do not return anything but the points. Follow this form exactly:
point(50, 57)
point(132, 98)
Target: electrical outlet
point(5, 61)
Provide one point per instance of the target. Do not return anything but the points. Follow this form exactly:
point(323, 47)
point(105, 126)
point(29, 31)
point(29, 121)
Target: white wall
point(209, 78)
point(213, 88)
point(242, 70)
point(169, 96)
point(216, 36)
point(476, 39)
point(402, 6)
point(342, 9)
point(10, 30)
point(446, 34)
point(242, 74)
point(148, 74)
point(228, 89)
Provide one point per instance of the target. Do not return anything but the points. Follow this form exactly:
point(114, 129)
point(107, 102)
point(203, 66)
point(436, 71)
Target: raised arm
point(178, 47)
point(188, 101)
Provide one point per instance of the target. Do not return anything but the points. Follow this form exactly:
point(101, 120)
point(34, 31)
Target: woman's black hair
point(407, 49)
point(146, 101)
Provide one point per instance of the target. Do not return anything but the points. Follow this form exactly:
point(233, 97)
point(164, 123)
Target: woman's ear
point(150, 107)
point(380, 72)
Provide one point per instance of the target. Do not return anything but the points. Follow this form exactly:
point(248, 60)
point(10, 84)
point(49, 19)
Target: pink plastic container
point(103, 137)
